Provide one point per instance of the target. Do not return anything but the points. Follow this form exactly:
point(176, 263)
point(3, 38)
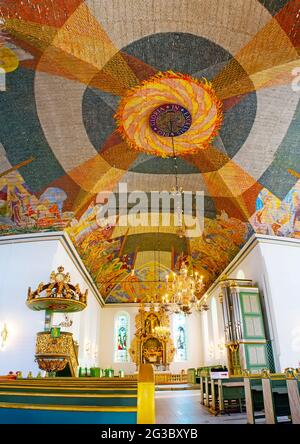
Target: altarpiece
point(149, 346)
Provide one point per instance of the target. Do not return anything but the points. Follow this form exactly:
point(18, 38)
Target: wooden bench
point(254, 399)
point(231, 395)
point(293, 387)
point(222, 395)
point(227, 395)
point(203, 376)
point(79, 400)
point(193, 376)
point(274, 397)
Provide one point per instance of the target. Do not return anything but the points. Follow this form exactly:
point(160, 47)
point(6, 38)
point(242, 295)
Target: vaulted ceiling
point(70, 66)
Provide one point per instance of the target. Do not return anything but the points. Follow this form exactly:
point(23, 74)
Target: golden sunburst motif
point(196, 98)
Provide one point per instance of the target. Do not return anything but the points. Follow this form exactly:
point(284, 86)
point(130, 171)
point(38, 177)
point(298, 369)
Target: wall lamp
point(4, 337)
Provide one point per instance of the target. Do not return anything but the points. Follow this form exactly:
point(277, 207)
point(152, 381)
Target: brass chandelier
point(183, 289)
point(162, 332)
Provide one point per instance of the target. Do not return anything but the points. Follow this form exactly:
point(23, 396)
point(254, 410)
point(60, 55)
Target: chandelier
point(162, 332)
point(183, 289)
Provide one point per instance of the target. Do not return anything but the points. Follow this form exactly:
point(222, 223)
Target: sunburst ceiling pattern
point(69, 65)
point(150, 97)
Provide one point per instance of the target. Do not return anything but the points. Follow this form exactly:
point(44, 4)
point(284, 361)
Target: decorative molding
point(123, 305)
point(65, 241)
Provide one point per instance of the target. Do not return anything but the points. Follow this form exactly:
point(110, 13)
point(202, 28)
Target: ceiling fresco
point(78, 83)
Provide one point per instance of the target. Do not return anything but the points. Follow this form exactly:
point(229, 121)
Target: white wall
point(107, 337)
point(282, 261)
point(21, 265)
point(250, 266)
point(212, 336)
point(194, 346)
point(107, 340)
point(273, 266)
point(86, 324)
point(28, 263)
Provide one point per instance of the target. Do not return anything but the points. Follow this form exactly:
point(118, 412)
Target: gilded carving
point(54, 349)
point(148, 346)
point(58, 295)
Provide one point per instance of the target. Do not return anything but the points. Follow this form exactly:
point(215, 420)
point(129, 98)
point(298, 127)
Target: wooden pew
point(230, 390)
point(192, 376)
point(203, 373)
point(207, 391)
point(275, 396)
point(39, 403)
point(293, 387)
point(272, 397)
point(218, 394)
point(202, 389)
point(254, 398)
point(79, 400)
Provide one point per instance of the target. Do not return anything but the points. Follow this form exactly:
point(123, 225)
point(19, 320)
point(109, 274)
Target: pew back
point(274, 397)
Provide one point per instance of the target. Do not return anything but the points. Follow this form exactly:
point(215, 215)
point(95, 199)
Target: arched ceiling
point(69, 64)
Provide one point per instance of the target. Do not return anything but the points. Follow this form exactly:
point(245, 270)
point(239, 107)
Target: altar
point(152, 343)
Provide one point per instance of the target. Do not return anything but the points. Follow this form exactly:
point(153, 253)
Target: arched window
point(180, 339)
point(121, 337)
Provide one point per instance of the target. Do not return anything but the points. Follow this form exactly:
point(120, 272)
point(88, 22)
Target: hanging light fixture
point(183, 289)
point(162, 332)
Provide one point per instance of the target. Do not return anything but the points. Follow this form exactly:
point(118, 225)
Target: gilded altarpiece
point(147, 346)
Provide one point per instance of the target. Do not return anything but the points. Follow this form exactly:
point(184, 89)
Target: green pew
point(254, 399)
point(203, 373)
point(193, 376)
point(267, 397)
point(224, 395)
point(221, 395)
point(293, 387)
point(84, 400)
point(68, 401)
point(228, 395)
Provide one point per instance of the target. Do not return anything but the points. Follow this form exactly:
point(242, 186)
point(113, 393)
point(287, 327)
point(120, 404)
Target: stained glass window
point(180, 339)
point(121, 337)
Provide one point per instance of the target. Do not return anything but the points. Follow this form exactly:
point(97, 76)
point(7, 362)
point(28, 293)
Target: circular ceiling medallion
point(166, 105)
point(170, 120)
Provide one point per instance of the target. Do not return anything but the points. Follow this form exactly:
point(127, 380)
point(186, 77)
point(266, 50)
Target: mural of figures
point(21, 210)
point(74, 124)
point(278, 217)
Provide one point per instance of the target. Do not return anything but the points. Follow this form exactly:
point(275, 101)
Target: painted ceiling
point(68, 70)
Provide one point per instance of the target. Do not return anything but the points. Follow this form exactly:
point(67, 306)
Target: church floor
point(183, 407)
